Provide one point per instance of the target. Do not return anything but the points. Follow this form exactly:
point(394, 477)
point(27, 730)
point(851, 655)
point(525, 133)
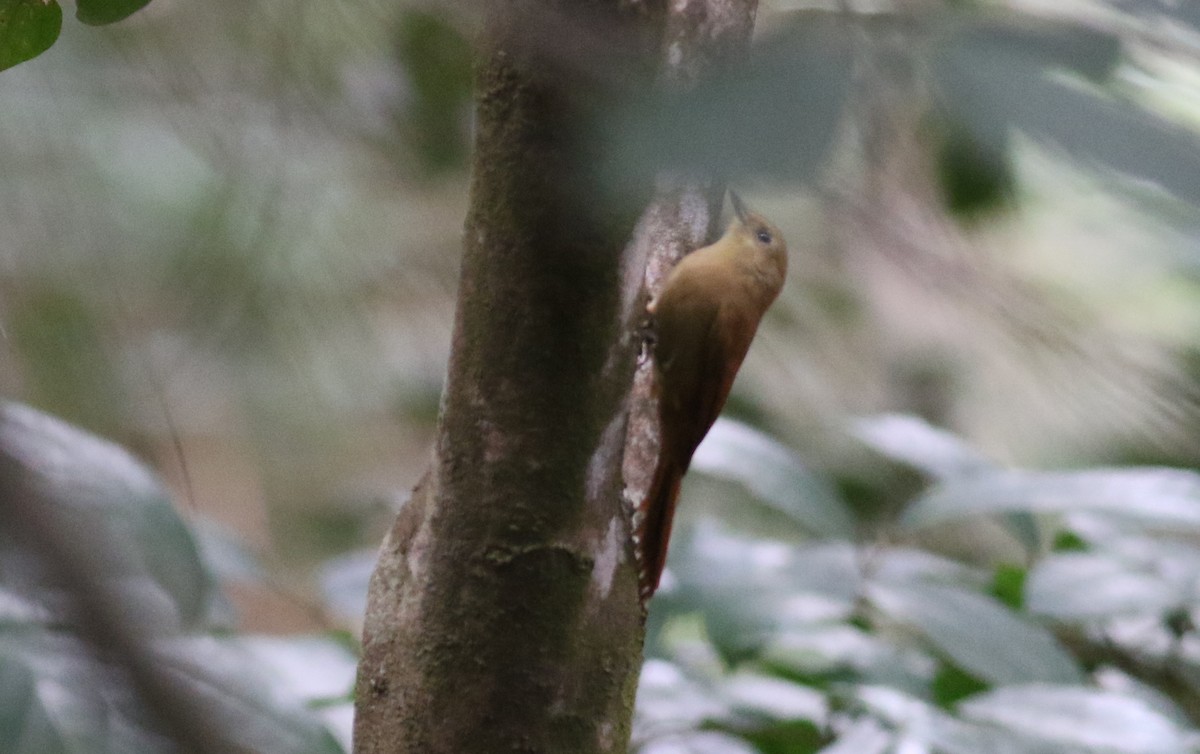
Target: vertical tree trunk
point(503, 614)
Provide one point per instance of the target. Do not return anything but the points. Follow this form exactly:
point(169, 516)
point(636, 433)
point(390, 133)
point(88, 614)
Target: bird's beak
point(739, 208)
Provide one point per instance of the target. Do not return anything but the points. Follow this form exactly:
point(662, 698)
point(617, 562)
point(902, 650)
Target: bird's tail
point(654, 532)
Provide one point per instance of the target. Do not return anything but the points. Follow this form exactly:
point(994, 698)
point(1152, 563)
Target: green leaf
point(940, 455)
point(793, 737)
point(258, 690)
point(226, 555)
point(914, 442)
point(65, 357)
point(827, 654)
point(75, 703)
point(1159, 700)
point(1008, 585)
point(313, 668)
point(865, 736)
point(1155, 496)
point(100, 12)
point(774, 115)
point(699, 742)
point(974, 156)
point(25, 724)
point(906, 565)
point(1184, 13)
point(437, 64)
point(344, 581)
point(669, 699)
point(976, 178)
point(19, 609)
point(990, 84)
point(1113, 134)
point(774, 474)
point(1079, 717)
point(1068, 541)
point(921, 727)
point(769, 698)
point(27, 29)
point(1087, 51)
point(1086, 586)
point(910, 717)
point(60, 696)
point(978, 633)
point(123, 508)
point(952, 684)
point(749, 589)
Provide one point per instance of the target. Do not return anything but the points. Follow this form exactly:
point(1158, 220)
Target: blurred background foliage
point(229, 240)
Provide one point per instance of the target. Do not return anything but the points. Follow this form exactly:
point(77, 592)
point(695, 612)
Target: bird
point(703, 323)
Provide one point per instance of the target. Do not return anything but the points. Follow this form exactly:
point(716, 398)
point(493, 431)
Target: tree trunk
point(503, 614)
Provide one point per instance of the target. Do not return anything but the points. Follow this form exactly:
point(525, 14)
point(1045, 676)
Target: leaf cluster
point(849, 630)
point(65, 689)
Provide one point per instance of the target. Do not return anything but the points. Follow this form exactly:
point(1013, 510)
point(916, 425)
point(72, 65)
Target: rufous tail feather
point(658, 510)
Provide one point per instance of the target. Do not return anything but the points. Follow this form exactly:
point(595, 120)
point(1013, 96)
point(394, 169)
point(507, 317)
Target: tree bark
point(701, 35)
point(503, 614)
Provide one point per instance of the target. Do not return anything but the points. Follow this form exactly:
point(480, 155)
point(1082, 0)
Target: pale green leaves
point(59, 694)
point(774, 475)
point(849, 637)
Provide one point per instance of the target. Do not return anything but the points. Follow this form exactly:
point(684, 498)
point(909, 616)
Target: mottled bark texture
point(503, 614)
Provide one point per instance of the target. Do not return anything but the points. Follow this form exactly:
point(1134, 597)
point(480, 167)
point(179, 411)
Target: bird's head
point(757, 231)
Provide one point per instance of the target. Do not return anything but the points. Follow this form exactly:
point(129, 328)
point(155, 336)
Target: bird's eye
point(764, 236)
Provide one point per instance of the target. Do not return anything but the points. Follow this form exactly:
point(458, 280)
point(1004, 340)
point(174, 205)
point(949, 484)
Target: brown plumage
point(704, 322)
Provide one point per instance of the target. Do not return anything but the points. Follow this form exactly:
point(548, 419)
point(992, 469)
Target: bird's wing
point(702, 368)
